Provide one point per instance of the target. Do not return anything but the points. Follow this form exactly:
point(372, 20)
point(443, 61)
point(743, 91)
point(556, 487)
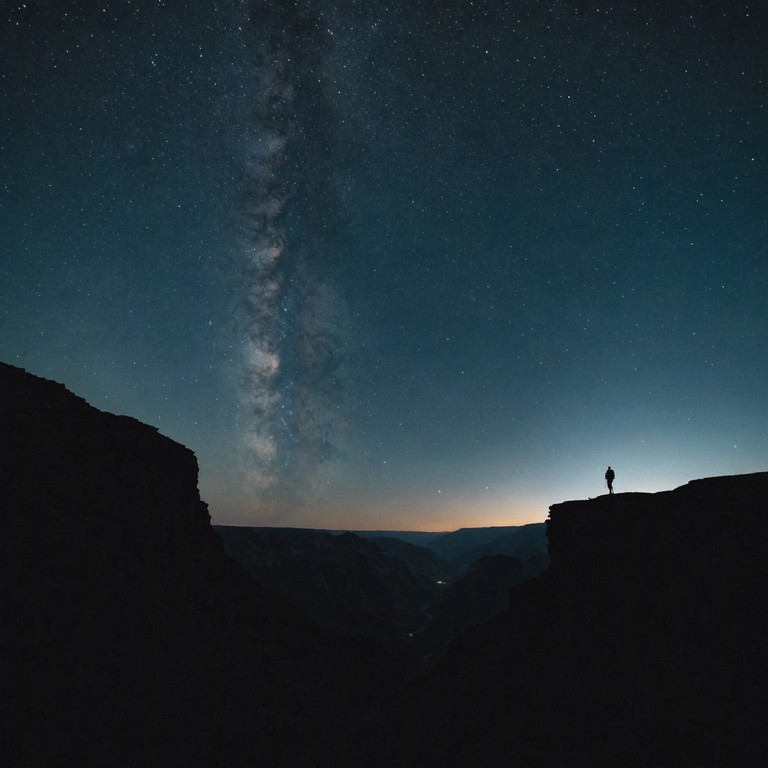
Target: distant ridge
point(459, 547)
point(348, 584)
point(386, 588)
point(420, 538)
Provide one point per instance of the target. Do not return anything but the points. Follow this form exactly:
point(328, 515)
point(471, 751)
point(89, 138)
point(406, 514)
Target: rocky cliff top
point(62, 461)
point(128, 636)
point(643, 645)
point(705, 536)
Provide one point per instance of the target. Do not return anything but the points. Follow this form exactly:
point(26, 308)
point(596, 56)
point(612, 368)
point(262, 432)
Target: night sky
point(396, 264)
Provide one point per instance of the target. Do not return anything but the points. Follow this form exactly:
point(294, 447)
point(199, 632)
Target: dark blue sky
point(391, 266)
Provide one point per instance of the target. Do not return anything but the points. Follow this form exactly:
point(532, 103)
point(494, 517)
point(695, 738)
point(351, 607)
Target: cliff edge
point(128, 636)
point(643, 645)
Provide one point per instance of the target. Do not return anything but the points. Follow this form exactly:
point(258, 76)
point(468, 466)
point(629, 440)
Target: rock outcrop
point(128, 636)
point(644, 644)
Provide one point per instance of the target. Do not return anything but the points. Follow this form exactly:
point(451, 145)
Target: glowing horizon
point(395, 265)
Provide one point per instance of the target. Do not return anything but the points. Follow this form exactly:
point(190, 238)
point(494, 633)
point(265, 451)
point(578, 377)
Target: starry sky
point(393, 264)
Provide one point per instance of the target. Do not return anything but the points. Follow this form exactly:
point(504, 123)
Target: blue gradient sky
point(385, 266)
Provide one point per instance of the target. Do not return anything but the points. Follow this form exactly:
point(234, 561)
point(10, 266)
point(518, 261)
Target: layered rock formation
point(644, 645)
point(346, 584)
point(128, 637)
point(525, 542)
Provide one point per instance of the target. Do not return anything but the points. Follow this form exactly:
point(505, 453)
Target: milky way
point(392, 263)
point(294, 316)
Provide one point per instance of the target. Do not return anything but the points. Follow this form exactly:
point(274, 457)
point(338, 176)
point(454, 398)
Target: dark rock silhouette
point(466, 545)
point(417, 538)
point(480, 593)
point(346, 584)
point(128, 636)
point(527, 543)
point(643, 645)
point(454, 551)
point(385, 588)
point(420, 559)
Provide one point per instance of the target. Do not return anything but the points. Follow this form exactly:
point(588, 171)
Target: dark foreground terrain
point(130, 638)
point(386, 589)
point(644, 645)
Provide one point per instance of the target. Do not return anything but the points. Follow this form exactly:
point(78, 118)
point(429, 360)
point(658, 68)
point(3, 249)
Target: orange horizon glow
point(414, 516)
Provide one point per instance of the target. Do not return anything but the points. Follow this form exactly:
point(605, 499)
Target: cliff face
point(69, 465)
point(644, 644)
point(686, 566)
point(128, 637)
point(706, 532)
point(665, 598)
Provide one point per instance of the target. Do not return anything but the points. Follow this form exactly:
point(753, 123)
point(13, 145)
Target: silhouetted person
point(609, 475)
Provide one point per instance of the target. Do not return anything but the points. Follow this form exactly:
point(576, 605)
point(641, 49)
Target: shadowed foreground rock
point(644, 645)
point(128, 637)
